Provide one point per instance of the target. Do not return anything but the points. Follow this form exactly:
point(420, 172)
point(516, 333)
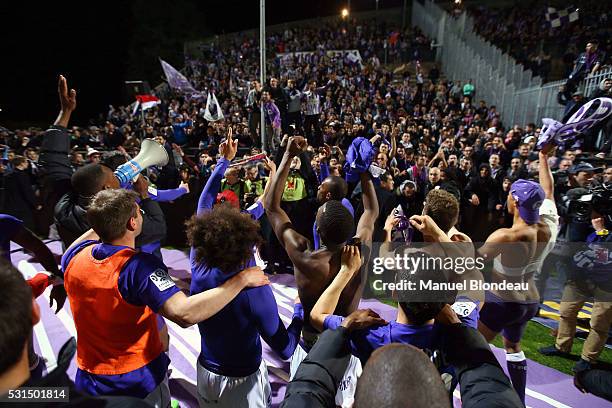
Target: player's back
point(314, 272)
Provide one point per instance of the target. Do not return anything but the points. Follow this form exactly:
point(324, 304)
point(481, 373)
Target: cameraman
point(590, 278)
point(574, 227)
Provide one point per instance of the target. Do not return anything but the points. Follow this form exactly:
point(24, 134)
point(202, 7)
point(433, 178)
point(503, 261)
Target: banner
point(176, 80)
point(351, 55)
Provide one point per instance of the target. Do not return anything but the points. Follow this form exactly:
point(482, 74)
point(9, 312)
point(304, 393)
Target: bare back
point(523, 254)
point(315, 270)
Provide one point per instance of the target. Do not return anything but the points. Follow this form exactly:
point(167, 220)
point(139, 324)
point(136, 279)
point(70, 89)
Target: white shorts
point(345, 396)
point(160, 396)
point(219, 391)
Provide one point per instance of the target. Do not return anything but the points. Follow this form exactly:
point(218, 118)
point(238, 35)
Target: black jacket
point(71, 220)
point(482, 380)
point(54, 152)
point(59, 378)
point(20, 194)
point(317, 379)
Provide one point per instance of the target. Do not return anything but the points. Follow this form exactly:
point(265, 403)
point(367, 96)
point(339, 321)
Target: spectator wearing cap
point(572, 102)
point(93, 156)
point(410, 198)
point(603, 90)
point(581, 174)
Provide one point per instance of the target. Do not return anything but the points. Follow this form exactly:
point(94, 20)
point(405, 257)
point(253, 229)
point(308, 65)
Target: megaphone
point(151, 154)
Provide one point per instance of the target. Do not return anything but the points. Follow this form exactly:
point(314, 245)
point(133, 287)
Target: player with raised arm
point(315, 269)
point(517, 253)
point(231, 369)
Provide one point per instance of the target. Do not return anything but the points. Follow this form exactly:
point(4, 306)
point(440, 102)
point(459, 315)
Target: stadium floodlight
point(344, 13)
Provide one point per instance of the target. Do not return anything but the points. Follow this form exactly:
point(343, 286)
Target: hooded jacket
point(71, 220)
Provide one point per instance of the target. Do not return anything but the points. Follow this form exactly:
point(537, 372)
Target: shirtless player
point(315, 269)
point(517, 253)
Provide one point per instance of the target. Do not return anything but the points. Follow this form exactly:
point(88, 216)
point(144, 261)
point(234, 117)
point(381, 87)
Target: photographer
point(589, 278)
point(574, 227)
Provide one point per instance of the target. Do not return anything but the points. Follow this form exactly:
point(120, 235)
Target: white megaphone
point(151, 154)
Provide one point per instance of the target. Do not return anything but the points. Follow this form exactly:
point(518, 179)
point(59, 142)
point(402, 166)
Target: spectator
point(587, 63)
point(20, 200)
point(468, 89)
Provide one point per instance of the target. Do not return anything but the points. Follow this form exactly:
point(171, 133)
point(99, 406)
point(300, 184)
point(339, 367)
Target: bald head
point(332, 188)
point(92, 178)
point(335, 223)
point(399, 375)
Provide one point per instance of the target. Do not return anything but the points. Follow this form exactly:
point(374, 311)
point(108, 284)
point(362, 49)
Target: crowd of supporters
point(428, 133)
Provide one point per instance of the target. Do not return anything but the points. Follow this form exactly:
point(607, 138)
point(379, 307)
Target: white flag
point(213, 112)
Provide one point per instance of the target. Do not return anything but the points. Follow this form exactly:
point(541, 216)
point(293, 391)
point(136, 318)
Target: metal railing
point(542, 102)
point(498, 78)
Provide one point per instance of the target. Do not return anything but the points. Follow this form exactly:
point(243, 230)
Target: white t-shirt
point(550, 217)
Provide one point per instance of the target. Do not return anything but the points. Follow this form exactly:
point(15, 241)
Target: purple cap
point(528, 196)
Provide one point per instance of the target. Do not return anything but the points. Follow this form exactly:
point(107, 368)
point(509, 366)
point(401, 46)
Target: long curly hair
point(223, 238)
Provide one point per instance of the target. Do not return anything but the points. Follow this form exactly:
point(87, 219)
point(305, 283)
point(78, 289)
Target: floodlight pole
point(262, 66)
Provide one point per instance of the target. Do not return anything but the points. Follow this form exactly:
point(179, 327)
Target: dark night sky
point(97, 46)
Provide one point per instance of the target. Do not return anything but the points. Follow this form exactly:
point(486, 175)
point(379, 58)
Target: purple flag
point(176, 80)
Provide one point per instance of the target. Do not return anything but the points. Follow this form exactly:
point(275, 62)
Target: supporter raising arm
point(227, 150)
point(54, 158)
point(68, 103)
point(55, 147)
point(293, 242)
